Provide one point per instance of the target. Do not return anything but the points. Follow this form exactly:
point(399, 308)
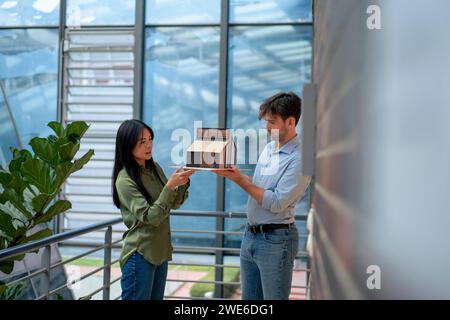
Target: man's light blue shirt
point(279, 172)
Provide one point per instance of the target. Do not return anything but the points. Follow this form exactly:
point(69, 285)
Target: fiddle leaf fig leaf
point(43, 149)
point(37, 172)
point(60, 206)
point(57, 128)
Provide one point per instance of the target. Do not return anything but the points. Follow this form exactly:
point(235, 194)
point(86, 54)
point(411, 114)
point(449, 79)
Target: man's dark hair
point(283, 104)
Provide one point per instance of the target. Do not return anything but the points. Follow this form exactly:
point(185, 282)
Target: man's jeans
point(267, 260)
point(142, 280)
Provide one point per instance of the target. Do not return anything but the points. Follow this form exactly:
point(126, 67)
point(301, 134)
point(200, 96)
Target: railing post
point(107, 264)
point(46, 261)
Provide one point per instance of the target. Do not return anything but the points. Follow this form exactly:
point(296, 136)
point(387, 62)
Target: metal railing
point(46, 266)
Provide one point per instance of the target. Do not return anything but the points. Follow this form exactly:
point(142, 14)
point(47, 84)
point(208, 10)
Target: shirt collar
point(289, 147)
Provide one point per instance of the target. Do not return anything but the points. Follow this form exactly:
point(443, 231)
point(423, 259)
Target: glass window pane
point(242, 11)
point(262, 61)
point(8, 136)
point(182, 12)
point(29, 69)
point(89, 12)
point(29, 13)
point(181, 87)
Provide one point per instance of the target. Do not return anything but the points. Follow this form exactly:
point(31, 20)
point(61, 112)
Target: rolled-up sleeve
point(289, 188)
point(182, 194)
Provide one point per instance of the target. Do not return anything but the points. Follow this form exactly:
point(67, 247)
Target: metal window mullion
point(269, 24)
point(61, 62)
point(104, 28)
point(139, 32)
point(102, 49)
point(187, 25)
point(62, 106)
point(48, 26)
point(11, 114)
point(220, 205)
point(99, 103)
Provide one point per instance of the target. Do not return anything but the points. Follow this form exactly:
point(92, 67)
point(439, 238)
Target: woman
point(145, 197)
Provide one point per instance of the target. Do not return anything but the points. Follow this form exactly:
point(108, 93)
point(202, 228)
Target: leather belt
point(263, 228)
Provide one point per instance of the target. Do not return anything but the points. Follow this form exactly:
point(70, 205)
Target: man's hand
point(233, 175)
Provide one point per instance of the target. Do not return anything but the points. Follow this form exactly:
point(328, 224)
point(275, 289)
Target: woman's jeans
point(142, 280)
point(267, 261)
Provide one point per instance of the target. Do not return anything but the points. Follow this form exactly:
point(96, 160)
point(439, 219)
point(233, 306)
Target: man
point(270, 242)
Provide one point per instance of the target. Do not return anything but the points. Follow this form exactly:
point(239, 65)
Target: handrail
point(107, 246)
point(27, 247)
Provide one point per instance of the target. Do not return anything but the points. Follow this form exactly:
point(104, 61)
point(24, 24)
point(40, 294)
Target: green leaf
point(29, 193)
point(5, 237)
point(78, 165)
point(17, 183)
point(18, 218)
point(60, 206)
point(2, 287)
point(14, 165)
point(75, 139)
point(41, 202)
point(37, 172)
point(57, 127)
point(56, 142)
point(52, 139)
point(6, 266)
point(63, 171)
point(68, 151)
point(19, 156)
point(37, 236)
point(6, 226)
point(11, 292)
point(44, 150)
point(13, 197)
point(5, 179)
point(15, 152)
point(78, 128)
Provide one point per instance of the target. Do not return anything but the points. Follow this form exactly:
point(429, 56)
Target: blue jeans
point(267, 261)
point(142, 280)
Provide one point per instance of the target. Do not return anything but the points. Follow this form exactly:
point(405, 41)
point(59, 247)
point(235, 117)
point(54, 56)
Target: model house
point(213, 149)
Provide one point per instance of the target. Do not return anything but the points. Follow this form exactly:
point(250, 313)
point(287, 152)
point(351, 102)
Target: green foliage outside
point(230, 275)
point(89, 262)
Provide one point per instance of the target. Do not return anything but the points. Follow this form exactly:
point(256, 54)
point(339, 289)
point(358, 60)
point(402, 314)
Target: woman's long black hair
point(130, 131)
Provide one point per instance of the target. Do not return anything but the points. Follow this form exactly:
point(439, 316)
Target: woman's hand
point(178, 178)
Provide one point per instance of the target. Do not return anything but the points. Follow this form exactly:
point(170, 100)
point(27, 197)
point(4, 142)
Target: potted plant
point(30, 184)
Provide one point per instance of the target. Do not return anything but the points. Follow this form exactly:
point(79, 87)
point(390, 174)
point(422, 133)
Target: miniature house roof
point(213, 134)
point(207, 146)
